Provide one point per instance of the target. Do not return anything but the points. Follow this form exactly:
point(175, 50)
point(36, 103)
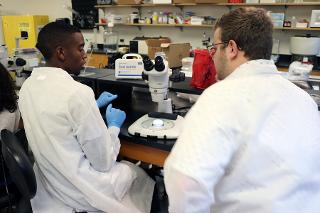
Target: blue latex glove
point(115, 117)
point(105, 99)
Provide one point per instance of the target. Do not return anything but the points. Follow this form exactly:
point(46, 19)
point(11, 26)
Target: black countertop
point(135, 99)
point(94, 73)
point(142, 104)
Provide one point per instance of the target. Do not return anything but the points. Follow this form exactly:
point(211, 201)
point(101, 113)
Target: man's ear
point(60, 53)
point(233, 49)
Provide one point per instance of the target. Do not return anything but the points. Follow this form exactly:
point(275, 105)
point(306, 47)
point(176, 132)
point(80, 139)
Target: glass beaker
point(110, 40)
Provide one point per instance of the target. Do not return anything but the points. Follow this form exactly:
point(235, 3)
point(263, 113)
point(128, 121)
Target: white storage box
point(196, 20)
point(126, 68)
point(315, 18)
point(252, 1)
point(161, 1)
point(267, 1)
point(301, 25)
point(277, 23)
point(277, 16)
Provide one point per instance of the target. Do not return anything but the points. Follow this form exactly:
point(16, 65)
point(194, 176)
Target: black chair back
point(19, 165)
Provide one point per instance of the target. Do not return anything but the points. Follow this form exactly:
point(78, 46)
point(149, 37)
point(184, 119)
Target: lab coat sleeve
point(189, 194)
point(200, 157)
point(100, 145)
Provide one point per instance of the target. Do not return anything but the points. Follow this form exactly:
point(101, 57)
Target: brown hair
point(251, 28)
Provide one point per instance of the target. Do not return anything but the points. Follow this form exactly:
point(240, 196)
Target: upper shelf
point(213, 4)
point(305, 29)
point(205, 26)
point(162, 25)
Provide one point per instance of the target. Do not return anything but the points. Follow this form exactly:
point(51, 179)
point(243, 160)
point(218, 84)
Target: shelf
point(213, 4)
point(301, 29)
point(285, 69)
point(269, 4)
point(161, 25)
point(169, 25)
point(206, 26)
point(143, 5)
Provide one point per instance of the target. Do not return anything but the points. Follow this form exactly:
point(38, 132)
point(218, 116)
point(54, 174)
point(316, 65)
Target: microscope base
point(158, 125)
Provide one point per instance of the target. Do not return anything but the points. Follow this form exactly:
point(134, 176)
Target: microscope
point(158, 81)
point(20, 78)
point(161, 124)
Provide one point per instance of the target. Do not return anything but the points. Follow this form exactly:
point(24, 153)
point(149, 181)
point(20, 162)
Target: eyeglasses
point(213, 47)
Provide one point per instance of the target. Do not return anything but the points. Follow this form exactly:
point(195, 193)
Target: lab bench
point(135, 99)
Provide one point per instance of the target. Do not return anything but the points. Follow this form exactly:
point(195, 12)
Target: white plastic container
point(301, 45)
point(161, 1)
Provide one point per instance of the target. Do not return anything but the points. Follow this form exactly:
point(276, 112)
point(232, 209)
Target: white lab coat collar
point(42, 72)
point(254, 67)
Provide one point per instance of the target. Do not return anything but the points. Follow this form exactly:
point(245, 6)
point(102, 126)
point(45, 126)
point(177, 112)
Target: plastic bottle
point(293, 22)
point(155, 18)
point(165, 18)
point(160, 18)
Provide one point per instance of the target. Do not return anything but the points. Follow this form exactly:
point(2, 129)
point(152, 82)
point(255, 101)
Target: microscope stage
point(159, 127)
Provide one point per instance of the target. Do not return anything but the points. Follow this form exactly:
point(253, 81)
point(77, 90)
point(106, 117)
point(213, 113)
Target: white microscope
point(162, 124)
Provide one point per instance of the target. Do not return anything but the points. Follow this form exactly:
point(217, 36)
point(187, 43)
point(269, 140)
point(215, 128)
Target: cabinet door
point(97, 60)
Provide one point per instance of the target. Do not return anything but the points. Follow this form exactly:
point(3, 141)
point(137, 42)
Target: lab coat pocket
point(122, 179)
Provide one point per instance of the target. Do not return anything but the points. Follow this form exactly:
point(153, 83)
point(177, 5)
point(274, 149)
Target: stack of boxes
point(277, 19)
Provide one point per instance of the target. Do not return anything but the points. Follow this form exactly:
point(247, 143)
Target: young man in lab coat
point(251, 143)
point(75, 153)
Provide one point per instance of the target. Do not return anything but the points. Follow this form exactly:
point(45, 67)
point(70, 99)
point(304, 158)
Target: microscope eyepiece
point(148, 64)
point(159, 64)
point(20, 62)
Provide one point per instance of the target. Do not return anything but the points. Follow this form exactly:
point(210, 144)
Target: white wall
point(56, 9)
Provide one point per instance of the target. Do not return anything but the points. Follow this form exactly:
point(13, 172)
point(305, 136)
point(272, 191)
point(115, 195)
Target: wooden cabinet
point(143, 153)
point(97, 60)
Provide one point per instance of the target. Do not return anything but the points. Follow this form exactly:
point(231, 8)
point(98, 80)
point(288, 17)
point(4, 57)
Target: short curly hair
point(52, 35)
point(8, 96)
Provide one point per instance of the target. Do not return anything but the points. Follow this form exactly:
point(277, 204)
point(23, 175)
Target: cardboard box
point(183, 1)
point(175, 52)
point(154, 45)
point(129, 2)
point(211, 1)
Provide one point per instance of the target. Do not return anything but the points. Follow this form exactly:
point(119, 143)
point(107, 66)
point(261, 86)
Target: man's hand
point(115, 117)
point(105, 99)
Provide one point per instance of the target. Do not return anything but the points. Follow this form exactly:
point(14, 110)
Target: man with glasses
point(251, 143)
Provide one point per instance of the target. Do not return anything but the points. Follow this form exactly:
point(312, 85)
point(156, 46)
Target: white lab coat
point(75, 152)
point(251, 143)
